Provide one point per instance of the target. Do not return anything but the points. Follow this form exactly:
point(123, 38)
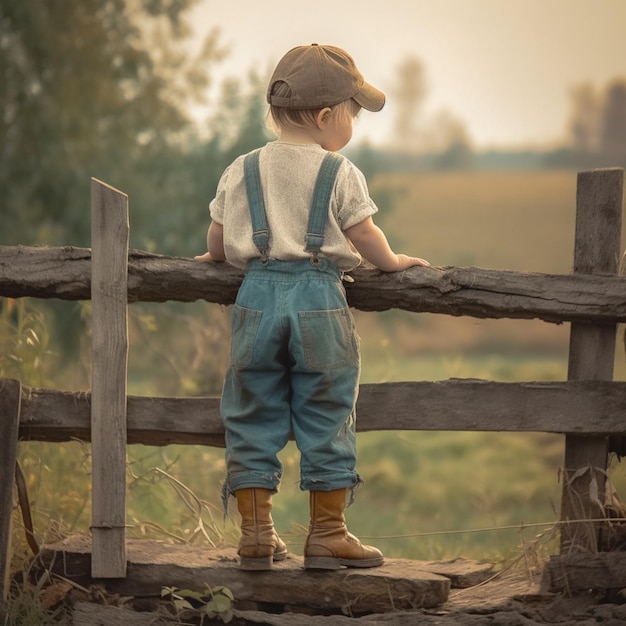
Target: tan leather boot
point(329, 545)
point(259, 544)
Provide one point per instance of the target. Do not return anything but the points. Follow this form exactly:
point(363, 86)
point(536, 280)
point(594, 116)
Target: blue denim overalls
point(295, 360)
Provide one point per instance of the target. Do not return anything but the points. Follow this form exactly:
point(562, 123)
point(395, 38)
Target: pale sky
point(503, 67)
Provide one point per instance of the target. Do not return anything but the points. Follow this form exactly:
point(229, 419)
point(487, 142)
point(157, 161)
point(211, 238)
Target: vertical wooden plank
point(10, 396)
point(599, 198)
point(109, 296)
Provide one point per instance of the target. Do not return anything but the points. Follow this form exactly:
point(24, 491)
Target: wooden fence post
point(10, 395)
point(599, 198)
point(109, 296)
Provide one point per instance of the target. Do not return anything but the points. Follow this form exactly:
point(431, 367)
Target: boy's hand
point(203, 257)
point(404, 262)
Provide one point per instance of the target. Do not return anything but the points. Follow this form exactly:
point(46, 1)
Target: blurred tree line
point(102, 88)
point(596, 131)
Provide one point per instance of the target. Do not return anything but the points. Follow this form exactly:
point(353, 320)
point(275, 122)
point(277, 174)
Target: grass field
point(427, 495)
point(522, 221)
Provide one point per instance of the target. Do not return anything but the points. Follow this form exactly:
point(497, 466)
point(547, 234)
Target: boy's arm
point(372, 244)
point(215, 244)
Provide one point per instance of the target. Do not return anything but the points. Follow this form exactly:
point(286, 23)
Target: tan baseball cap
point(321, 76)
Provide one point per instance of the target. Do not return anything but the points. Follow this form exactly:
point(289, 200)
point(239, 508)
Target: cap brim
point(370, 98)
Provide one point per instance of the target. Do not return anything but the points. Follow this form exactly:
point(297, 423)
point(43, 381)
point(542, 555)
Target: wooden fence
point(588, 408)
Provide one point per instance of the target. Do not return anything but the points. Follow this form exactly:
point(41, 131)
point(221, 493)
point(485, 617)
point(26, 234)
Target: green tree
point(99, 88)
point(92, 88)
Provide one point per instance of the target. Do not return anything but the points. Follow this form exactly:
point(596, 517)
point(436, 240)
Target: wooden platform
point(400, 584)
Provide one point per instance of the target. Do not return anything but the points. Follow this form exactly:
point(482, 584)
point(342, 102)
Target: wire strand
point(519, 527)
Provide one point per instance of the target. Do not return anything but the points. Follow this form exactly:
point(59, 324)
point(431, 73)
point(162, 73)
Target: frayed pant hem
point(351, 483)
point(232, 485)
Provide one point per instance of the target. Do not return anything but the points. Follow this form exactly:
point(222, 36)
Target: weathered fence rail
point(576, 407)
point(64, 273)
point(588, 409)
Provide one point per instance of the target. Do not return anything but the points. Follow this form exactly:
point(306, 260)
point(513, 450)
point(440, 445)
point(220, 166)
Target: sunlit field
point(431, 495)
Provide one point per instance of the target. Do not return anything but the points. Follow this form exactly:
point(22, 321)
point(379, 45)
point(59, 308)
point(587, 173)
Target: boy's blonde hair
point(280, 117)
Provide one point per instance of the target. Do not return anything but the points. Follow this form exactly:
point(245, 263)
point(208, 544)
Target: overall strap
point(260, 230)
point(321, 201)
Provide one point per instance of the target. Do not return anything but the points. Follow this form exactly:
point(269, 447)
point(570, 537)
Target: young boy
point(296, 216)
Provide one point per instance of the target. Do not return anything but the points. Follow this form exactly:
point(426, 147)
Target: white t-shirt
point(288, 174)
